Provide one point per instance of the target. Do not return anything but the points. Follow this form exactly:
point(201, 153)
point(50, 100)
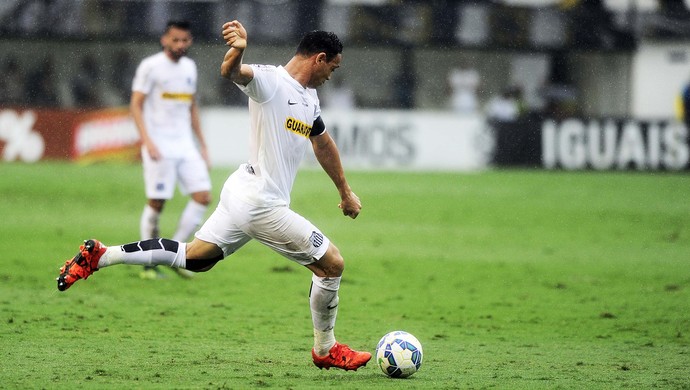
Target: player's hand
point(235, 35)
point(153, 151)
point(351, 205)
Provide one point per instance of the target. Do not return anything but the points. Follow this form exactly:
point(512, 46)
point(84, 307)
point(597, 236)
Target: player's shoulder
point(153, 59)
point(187, 61)
point(264, 72)
point(160, 56)
point(263, 67)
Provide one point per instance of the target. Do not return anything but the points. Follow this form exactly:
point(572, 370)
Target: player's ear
point(320, 58)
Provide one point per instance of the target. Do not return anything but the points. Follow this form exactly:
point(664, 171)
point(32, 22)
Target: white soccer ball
point(399, 354)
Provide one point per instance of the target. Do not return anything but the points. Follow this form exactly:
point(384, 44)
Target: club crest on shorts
point(316, 239)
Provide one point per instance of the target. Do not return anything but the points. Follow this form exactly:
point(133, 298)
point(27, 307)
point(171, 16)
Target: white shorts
point(235, 222)
point(161, 177)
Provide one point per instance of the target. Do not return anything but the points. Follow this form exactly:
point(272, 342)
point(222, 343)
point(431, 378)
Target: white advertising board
point(660, 72)
point(370, 139)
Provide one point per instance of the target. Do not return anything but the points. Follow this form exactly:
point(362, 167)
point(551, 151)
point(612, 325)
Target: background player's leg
point(148, 228)
point(148, 225)
point(192, 216)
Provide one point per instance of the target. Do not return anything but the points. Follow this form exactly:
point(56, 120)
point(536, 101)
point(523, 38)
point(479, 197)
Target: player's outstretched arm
point(232, 68)
point(327, 154)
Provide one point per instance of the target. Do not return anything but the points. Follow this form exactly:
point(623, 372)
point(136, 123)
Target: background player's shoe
point(152, 273)
point(184, 273)
point(82, 265)
point(341, 356)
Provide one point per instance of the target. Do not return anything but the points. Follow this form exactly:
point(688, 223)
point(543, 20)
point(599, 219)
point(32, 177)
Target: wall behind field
point(602, 80)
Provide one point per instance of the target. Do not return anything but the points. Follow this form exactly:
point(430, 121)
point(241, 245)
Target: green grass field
point(510, 279)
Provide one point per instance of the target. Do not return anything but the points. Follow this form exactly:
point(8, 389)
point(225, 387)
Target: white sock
point(323, 342)
point(148, 225)
point(323, 301)
point(191, 217)
point(157, 251)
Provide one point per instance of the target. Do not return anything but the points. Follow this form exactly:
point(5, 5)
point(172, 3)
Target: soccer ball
point(399, 354)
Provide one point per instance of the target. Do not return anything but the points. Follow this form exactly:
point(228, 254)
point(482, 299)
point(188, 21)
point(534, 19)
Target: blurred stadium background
point(425, 85)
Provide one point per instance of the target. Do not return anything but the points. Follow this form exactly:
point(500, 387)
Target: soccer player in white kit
point(165, 112)
point(254, 204)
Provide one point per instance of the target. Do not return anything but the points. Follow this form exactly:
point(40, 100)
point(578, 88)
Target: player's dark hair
point(315, 42)
point(180, 24)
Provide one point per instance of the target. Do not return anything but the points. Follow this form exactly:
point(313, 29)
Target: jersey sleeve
point(264, 84)
point(143, 82)
point(318, 127)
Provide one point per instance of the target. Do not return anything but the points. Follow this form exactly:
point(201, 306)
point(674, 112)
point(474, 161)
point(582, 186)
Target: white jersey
point(282, 115)
point(169, 88)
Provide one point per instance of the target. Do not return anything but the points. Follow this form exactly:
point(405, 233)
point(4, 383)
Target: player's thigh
point(223, 229)
point(289, 234)
point(193, 175)
point(159, 177)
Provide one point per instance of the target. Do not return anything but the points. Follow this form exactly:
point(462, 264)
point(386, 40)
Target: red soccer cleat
point(341, 356)
point(82, 265)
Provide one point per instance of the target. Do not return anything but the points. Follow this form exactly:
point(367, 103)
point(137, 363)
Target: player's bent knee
point(156, 204)
point(331, 264)
point(202, 256)
point(203, 198)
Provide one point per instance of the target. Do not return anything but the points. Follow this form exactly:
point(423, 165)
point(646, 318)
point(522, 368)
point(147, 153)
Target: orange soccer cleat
point(341, 356)
point(82, 265)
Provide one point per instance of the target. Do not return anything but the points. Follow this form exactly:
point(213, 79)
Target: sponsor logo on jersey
point(298, 127)
point(184, 97)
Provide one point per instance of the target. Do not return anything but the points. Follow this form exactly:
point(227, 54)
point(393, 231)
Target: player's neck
point(297, 70)
point(171, 57)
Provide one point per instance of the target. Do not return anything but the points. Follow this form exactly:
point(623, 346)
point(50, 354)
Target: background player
point(165, 111)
